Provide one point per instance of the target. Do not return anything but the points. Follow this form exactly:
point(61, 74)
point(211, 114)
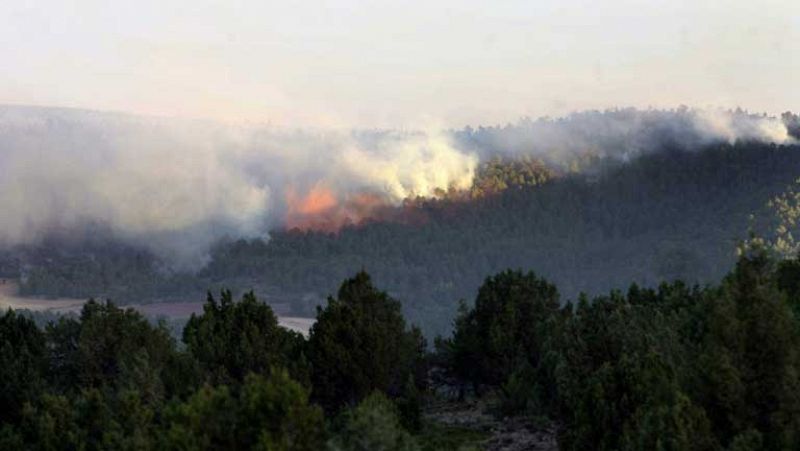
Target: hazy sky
point(413, 63)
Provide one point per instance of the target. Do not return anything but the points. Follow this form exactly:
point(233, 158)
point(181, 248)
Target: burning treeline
point(511, 160)
point(178, 186)
point(323, 209)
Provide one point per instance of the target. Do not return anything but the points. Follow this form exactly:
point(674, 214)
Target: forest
point(424, 225)
point(677, 367)
point(671, 213)
point(650, 302)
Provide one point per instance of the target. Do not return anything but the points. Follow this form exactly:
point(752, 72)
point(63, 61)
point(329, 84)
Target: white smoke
point(62, 170)
point(412, 165)
point(622, 133)
point(177, 186)
point(732, 126)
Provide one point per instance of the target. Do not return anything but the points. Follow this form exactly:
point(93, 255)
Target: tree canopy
point(360, 344)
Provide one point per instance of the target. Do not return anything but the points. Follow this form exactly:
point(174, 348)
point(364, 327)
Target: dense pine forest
point(446, 225)
point(670, 213)
point(612, 301)
point(677, 367)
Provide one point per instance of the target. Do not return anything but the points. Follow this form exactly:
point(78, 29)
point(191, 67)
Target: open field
point(9, 298)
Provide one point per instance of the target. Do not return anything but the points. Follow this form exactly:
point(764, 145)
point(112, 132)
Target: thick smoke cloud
point(61, 170)
point(621, 134)
point(178, 186)
point(411, 165)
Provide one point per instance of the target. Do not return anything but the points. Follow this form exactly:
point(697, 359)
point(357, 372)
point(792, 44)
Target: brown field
point(9, 298)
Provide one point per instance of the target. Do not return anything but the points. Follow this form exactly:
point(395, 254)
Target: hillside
point(669, 214)
point(665, 216)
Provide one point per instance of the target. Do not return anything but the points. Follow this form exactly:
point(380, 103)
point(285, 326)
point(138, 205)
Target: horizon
point(247, 123)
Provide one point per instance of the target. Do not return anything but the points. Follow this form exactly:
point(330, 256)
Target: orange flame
point(321, 209)
point(319, 200)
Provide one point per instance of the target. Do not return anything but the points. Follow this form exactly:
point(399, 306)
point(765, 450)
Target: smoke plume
point(621, 134)
point(177, 186)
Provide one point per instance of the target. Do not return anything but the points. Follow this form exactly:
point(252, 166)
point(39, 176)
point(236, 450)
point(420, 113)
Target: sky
point(393, 64)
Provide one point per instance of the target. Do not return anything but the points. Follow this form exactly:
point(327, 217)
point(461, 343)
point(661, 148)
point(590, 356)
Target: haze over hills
point(141, 209)
point(451, 225)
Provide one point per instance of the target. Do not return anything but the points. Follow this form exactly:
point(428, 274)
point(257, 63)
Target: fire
point(320, 199)
point(321, 209)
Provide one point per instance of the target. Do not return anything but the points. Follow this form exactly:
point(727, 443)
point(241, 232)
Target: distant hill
point(669, 214)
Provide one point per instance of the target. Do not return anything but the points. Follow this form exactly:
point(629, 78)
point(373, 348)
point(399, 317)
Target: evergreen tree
point(512, 318)
point(22, 363)
point(360, 344)
point(231, 339)
point(749, 368)
point(265, 413)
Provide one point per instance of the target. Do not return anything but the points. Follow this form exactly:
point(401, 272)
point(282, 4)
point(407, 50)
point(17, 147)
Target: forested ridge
point(678, 367)
point(672, 213)
point(427, 225)
point(655, 317)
